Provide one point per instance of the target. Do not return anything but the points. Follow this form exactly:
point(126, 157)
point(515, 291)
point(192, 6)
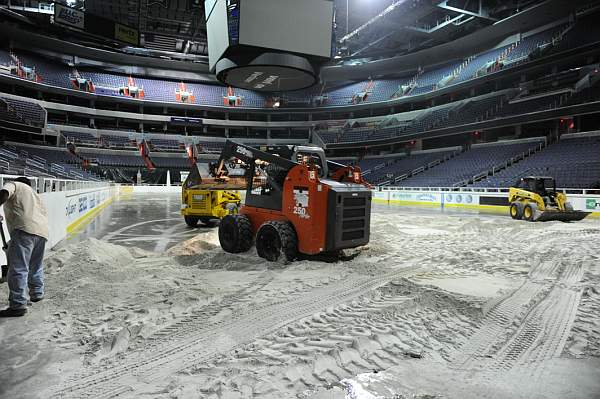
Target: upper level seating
point(470, 163)
point(533, 42)
point(80, 138)
point(180, 162)
point(127, 159)
point(32, 113)
point(211, 147)
point(57, 74)
point(346, 161)
point(453, 114)
point(130, 142)
point(39, 161)
point(395, 167)
point(117, 141)
point(9, 114)
point(478, 62)
point(384, 89)
point(343, 95)
point(132, 159)
point(164, 91)
point(573, 162)
point(368, 164)
point(430, 79)
point(473, 111)
point(164, 144)
point(328, 136)
point(52, 72)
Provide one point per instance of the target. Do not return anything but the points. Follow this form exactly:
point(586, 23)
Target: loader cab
point(542, 186)
point(312, 156)
point(545, 187)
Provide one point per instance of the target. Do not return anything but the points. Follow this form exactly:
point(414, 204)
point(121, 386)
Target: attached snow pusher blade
point(563, 216)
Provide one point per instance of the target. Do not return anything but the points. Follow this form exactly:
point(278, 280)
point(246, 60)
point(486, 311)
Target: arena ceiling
point(364, 28)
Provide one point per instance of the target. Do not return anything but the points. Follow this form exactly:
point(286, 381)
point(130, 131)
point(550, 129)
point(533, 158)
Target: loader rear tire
point(235, 233)
point(191, 221)
point(516, 210)
point(277, 240)
point(528, 213)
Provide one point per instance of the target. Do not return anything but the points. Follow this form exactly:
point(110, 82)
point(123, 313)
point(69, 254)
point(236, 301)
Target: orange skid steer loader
point(296, 202)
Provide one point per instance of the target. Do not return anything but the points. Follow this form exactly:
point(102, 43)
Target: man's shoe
point(12, 312)
point(36, 299)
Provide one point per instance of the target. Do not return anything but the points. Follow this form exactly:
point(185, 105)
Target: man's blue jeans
point(25, 268)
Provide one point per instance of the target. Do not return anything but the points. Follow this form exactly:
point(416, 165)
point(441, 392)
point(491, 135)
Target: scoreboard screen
point(296, 26)
point(269, 45)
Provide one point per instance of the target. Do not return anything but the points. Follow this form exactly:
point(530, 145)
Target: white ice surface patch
point(356, 390)
point(481, 285)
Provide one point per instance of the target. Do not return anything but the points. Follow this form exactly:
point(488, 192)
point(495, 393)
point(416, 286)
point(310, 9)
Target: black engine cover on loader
point(349, 215)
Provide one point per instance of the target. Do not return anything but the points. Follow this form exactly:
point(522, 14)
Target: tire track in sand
point(187, 348)
point(525, 330)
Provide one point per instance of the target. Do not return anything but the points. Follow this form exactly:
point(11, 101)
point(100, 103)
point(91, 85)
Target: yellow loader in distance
point(204, 200)
point(535, 199)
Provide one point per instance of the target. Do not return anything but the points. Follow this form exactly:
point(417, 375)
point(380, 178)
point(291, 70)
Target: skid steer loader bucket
point(563, 216)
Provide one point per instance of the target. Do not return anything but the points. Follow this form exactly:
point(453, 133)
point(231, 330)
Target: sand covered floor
point(436, 306)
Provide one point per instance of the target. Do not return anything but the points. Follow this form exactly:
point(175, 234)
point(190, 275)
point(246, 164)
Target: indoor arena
point(328, 199)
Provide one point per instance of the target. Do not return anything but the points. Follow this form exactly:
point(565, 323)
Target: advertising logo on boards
point(426, 197)
point(83, 204)
point(592, 203)
point(402, 196)
point(71, 207)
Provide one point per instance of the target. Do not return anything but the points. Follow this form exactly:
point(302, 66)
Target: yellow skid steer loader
point(206, 200)
point(535, 199)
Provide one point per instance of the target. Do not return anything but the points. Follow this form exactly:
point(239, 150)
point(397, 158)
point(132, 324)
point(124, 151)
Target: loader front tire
point(516, 210)
point(277, 240)
point(235, 233)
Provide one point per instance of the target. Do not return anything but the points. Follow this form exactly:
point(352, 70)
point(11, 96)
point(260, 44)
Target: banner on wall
point(127, 34)
point(69, 16)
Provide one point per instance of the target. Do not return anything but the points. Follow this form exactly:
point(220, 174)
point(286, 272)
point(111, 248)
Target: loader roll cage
point(266, 169)
point(541, 185)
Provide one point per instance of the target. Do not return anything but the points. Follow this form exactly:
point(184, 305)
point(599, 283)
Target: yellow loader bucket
point(563, 216)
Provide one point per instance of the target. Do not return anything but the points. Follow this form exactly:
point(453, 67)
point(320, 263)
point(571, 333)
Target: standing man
point(27, 221)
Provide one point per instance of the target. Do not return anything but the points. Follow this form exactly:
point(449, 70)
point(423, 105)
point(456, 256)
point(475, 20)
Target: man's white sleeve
point(10, 187)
